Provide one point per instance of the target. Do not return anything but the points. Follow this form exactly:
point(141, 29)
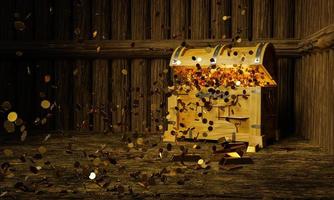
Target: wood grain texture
point(100, 67)
point(159, 31)
point(287, 159)
point(242, 12)
point(221, 29)
point(313, 83)
point(263, 18)
point(139, 68)
point(63, 69)
point(200, 19)
point(179, 25)
point(120, 82)
point(82, 69)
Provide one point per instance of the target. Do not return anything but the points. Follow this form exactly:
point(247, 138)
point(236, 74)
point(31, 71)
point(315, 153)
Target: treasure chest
point(223, 92)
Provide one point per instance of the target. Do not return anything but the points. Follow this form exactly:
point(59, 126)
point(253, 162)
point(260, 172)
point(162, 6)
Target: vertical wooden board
point(100, 31)
point(159, 24)
point(24, 69)
point(7, 20)
point(262, 18)
point(283, 12)
point(331, 104)
point(120, 95)
point(200, 19)
point(63, 69)
point(7, 70)
point(82, 71)
point(43, 19)
point(139, 68)
point(221, 29)
point(297, 95)
point(24, 13)
point(242, 18)
point(297, 18)
point(179, 12)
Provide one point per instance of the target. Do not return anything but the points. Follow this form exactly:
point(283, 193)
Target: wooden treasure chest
point(223, 93)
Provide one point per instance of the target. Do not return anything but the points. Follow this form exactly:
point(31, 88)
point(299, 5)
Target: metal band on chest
point(258, 53)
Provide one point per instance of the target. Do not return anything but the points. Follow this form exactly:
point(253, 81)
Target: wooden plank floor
point(290, 169)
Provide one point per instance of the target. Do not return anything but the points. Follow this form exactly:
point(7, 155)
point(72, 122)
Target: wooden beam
point(122, 48)
point(322, 39)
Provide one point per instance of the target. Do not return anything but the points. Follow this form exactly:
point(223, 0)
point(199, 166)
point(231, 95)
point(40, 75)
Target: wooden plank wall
point(314, 84)
point(124, 94)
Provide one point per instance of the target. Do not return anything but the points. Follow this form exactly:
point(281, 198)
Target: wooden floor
point(290, 169)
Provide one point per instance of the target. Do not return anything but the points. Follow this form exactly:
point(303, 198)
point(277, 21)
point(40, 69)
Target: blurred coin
point(9, 126)
point(12, 116)
point(6, 105)
point(45, 104)
point(19, 25)
point(18, 122)
point(8, 152)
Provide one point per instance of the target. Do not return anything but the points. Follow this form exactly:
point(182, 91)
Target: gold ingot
point(12, 117)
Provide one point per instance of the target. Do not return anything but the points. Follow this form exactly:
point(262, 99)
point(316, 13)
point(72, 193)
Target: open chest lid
point(248, 66)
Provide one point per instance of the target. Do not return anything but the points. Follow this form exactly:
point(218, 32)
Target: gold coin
point(19, 25)
point(94, 34)
point(6, 105)
point(124, 72)
point(42, 150)
point(9, 126)
point(45, 104)
point(98, 49)
point(130, 145)
point(18, 122)
point(140, 141)
point(12, 116)
point(47, 78)
point(8, 152)
point(24, 136)
point(200, 161)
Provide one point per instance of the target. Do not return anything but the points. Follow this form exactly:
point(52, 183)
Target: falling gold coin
point(24, 135)
point(19, 25)
point(243, 12)
point(47, 78)
point(94, 34)
point(42, 150)
point(9, 126)
point(19, 53)
point(98, 49)
point(6, 105)
point(44, 120)
point(226, 17)
point(45, 104)
point(124, 72)
point(8, 152)
point(18, 122)
point(12, 116)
